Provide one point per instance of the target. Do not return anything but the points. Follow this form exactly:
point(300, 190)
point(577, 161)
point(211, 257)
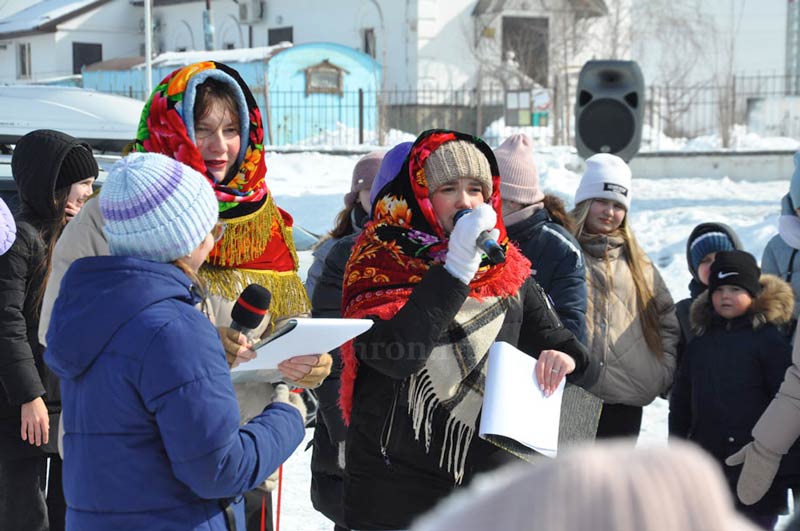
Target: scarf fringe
point(457, 436)
point(246, 237)
point(289, 298)
point(457, 440)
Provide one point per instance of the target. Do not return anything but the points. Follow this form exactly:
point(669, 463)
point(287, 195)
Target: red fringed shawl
point(403, 240)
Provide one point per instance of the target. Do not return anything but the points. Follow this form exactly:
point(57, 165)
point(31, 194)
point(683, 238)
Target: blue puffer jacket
point(152, 437)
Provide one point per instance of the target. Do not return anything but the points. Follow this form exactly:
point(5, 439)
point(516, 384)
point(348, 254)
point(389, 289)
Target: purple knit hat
point(8, 229)
point(390, 167)
point(364, 174)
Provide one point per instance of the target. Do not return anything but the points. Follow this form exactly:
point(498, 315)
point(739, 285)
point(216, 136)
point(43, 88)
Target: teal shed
point(310, 94)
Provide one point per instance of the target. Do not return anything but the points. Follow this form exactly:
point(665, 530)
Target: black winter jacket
point(330, 430)
point(729, 375)
point(390, 478)
point(557, 265)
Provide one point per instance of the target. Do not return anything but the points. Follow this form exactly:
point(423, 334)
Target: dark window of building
point(84, 53)
point(278, 35)
point(369, 42)
point(24, 60)
point(528, 38)
point(229, 46)
point(325, 78)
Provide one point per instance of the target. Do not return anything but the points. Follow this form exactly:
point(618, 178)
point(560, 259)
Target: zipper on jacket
point(388, 422)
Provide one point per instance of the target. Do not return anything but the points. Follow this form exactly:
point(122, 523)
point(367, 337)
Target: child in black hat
point(733, 367)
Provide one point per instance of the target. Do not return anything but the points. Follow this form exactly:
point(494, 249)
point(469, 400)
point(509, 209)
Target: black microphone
point(485, 242)
point(250, 309)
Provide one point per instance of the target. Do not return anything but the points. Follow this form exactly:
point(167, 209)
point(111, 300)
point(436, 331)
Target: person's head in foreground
point(606, 487)
point(159, 209)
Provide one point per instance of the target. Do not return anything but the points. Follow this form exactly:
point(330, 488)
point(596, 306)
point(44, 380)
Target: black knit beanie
point(735, 268)
point(78, 164)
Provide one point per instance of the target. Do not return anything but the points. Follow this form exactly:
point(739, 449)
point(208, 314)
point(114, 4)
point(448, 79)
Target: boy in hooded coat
point(734, 366)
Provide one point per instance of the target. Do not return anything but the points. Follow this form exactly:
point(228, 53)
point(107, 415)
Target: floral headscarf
point(258, 239)
point(404, 239)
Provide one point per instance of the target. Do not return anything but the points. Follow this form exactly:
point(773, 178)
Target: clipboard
point(300, 336)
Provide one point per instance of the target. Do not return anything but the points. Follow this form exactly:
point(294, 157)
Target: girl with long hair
point(631, 327)
point(54, 173)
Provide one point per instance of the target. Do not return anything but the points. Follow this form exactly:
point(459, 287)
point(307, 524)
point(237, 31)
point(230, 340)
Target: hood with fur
point(772, 305)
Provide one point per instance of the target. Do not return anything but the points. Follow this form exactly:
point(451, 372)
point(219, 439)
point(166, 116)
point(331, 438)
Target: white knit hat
point(519, 180)
point(156, 208)
point(606, 177)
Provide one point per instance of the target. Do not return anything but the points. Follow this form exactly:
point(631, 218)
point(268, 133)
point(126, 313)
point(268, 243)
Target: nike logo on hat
point(722, 275)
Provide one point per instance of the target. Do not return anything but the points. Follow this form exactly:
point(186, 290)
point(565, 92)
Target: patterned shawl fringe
point(457, 436)
point(246, 237)
point(289, 297)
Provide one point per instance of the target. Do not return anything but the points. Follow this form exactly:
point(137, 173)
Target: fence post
point(360, 116)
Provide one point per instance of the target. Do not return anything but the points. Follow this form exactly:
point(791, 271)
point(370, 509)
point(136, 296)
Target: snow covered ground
point(664, 211)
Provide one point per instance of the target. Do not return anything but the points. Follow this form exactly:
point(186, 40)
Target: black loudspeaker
point(609, 109)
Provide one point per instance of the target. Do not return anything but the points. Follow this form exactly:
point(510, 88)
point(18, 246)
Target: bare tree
point(673, 37)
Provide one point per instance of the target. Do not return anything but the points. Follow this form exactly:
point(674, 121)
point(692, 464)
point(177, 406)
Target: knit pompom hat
point(156, 208)
point(519, 180)
point(364, 173)
point(78, 164)
point(8, 229)
point(606, 177)
point(455, 160)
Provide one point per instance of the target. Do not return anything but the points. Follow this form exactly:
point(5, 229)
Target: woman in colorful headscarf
point(205, 116)
point(412, 386)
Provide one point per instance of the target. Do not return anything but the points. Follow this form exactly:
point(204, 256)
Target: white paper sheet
point(514, 406)
point(307, 336)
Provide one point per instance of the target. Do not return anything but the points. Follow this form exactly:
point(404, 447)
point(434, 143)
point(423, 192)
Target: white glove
point(463, 255)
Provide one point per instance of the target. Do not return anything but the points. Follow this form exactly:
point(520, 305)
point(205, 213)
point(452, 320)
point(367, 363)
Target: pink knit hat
point(519, 180)
point(8, 229)
point(364, 173)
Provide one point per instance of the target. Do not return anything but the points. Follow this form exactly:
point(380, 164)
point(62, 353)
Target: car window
point(303, 239)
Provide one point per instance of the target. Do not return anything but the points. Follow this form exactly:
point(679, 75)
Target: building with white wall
point(56, 38)
point(423, 44)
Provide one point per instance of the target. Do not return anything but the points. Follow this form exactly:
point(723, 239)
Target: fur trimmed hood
point(772, 305)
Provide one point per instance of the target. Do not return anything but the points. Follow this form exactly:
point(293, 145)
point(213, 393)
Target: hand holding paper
point(551, 368)
point(517, 415)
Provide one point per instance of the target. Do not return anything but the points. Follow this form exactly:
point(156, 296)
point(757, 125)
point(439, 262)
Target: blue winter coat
point(152, 437)
point(557, 265)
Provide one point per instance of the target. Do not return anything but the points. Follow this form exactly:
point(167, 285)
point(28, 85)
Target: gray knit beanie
point(455, 160)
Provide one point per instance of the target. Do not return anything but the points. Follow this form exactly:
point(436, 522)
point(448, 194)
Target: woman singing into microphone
point(412, 386)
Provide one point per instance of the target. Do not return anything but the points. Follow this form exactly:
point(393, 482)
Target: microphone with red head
point(250, 309)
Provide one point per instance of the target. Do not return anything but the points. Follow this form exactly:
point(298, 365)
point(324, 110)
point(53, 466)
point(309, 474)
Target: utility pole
point(148, 46)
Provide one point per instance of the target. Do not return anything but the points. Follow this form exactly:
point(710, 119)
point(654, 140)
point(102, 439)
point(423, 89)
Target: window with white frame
point(24, 60)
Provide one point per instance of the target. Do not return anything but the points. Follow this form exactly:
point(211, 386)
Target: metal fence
point(768, 105)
